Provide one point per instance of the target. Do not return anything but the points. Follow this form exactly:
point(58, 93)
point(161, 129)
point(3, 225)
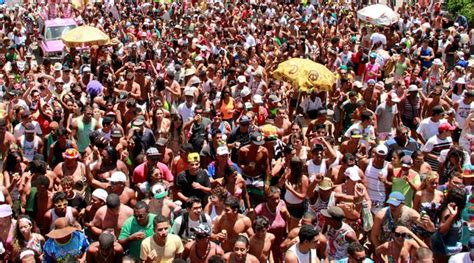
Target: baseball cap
point(194, 157)
point(325, 184)
point(412, 88)
point(257, 99)
point(445, 127)
point(245, 120)
point(381, 149)
point(189, 92)
point(257, 138)
point(406, 161)
point(245, 92)
point(371, 82)
point(373, 55)
point(273, 98)
point(352, 173)
point(101, 194)
point(241, 79)
point(152, 151)
point(117, 176)
point(222, 150)
point(161, 141)
point(139, 121)
point(202, 229)
point(333, 212)
point(396, 198)
point(116, 133)
point(358, 84)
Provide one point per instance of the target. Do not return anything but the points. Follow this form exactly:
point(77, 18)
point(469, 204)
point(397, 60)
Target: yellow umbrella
point(305, 74)
point(85, 35)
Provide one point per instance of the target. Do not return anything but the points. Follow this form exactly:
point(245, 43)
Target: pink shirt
point(141, 171)
point(369, 67)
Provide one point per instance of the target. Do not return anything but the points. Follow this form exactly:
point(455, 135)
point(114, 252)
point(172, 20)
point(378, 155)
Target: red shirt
point(141, 171)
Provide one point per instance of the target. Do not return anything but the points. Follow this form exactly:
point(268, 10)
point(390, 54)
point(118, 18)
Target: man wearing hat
point(396, 214)
point(406, 180)
point(372, 69)
point(30, 143)
point(65, 241)
point(201, 248)
point(254, 161)
point(151, 167)
point(105, 250)
point(141, 137)
point(437, 143)
point(194, 181)
point(118, 186)
point(240, 136)
point(186, 109)
point(387, 115)
point(338, 233)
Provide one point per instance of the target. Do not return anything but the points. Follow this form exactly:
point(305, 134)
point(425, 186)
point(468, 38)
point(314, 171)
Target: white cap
point(118, 177)
point(222, 150)
point(58, 66)
point(245, 92)
point(86, 69)
point(257, 99)
point(358, 84)
point(241, 79)
point(352, 173)
point(101, 194)
point(381, 149)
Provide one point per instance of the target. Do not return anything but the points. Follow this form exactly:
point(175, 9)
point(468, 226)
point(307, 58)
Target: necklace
point(207, 251)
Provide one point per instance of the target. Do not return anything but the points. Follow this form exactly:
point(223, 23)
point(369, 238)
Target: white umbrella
point(378, 15)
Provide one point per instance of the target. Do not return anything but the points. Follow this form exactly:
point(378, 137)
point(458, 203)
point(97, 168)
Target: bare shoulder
point(252, 259)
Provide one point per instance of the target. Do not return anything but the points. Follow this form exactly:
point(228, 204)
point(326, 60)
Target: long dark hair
point(296, 166)
point(457, 196)
point(11, 160)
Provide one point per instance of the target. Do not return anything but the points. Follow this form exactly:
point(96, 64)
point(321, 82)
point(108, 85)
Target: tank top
point(425, 52)
point(400, 68)
point(292, 199)
point(226, 109)
point(388, 223)
point(69, 216)
point(309, 257)
point(314, 168)
point(462, 112)
point(29, 148)
point(337, 243)
point(376, 189)
point(83, 131)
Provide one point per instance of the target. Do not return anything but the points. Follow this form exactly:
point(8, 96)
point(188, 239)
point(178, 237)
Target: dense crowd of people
point(174, 142)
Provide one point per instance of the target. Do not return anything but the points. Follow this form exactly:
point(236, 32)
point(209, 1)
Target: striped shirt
point(434, 146)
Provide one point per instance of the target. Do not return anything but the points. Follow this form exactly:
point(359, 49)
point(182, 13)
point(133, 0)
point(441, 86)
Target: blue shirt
point(211, 168)
point(54, 252)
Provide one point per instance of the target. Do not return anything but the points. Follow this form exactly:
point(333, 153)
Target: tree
point(462, 7)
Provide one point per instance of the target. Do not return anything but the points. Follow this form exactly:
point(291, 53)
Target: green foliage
point(463, 7)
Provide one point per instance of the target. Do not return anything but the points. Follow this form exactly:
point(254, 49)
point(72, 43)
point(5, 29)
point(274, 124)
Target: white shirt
point(185, 112)
point(428, 128)
point(309, 104)
point(377, 37)
point(19, 129)
point(461, 258)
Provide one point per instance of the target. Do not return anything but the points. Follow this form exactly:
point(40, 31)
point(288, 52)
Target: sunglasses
point(396, 234)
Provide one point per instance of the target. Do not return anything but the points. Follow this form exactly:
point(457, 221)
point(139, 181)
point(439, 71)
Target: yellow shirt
point(164, 254)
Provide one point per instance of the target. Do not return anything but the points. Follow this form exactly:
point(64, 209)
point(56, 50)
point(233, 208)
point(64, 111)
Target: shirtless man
point(117, 186)
point(254, 162)
point(106, 250)
point(229, 225)
point(400, 249)
point(172, 88)
point(110, 216)
point(434, 100)
point(262, 241)
point(6, 138)
point(309, 218)
point(129, 86)
point(72, 167)
point(336, 173)
point(105, 167)
point(282, 122)
point(202, 248)
point(42, 202)
point(166, 154)
point(143, 83)
point(353, 145)
point(239, 253)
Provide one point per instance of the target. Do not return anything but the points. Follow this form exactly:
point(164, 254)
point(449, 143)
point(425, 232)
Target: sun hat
point(325, 184)
point(61, 229)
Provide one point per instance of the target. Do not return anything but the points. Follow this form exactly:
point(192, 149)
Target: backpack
point(185, 222)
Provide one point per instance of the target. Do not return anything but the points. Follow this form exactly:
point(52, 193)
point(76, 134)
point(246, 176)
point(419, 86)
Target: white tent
point(378, 15)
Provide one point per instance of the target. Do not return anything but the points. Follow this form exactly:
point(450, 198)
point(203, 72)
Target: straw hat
point(61, 229)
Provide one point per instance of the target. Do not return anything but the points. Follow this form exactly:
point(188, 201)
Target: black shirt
point(185, 180)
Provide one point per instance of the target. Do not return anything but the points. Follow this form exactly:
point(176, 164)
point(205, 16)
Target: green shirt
point(131, 226)
point(400, 185)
